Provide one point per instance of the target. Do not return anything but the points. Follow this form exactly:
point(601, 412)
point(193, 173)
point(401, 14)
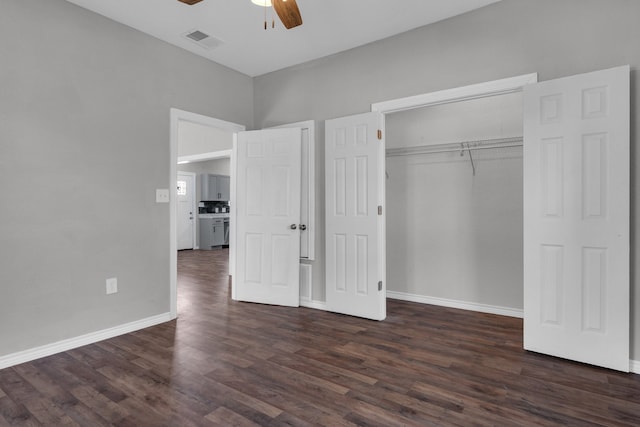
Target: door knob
point(293, 226)
point(303, 227)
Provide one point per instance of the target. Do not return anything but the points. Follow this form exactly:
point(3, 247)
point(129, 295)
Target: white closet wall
point(451, 235)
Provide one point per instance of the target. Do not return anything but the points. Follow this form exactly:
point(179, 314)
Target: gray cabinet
point(215, 187)
point(211, 233)
point(224, 187)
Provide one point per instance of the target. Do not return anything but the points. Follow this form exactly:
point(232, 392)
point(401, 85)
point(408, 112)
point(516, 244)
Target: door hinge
point(379, 134)
point(380, 285)
point(380, 210)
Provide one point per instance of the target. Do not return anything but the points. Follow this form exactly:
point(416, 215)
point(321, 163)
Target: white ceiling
point(330, 26)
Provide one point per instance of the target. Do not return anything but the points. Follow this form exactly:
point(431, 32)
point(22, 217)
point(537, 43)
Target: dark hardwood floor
point(235, 364)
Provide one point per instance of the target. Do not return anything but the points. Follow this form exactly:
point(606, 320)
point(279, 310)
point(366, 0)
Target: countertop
point(213, 215)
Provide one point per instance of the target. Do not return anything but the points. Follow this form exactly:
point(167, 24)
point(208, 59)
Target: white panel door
point(355, 243)
point(186, 206)
point(268, 217)
point(307, 188)
point(576, 218)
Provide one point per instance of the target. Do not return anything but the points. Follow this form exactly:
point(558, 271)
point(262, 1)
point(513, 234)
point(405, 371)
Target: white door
point(267, 204)
point(576, 220)
point(186, 213)
point(355, 243)
point(307, 187)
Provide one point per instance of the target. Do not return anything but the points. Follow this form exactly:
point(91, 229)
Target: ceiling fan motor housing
point(190, 2)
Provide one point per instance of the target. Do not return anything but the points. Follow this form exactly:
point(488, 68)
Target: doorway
point(455, 204)
point(468, 93)
point(186, 214)
point(196, 153)
point(576, 228)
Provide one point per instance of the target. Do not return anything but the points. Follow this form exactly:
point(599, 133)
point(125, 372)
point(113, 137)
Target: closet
point(454, 204)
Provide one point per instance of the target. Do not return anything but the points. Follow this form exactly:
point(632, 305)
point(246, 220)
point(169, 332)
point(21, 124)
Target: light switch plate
point(162, 195)
point(112, 285)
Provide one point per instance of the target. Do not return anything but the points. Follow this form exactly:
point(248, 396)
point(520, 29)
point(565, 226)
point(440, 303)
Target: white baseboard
point(634, 366)
point(464, 305)
point(71, 343)
point(318, 305)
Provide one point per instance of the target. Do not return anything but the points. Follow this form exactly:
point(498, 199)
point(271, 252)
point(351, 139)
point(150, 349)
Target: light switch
point(112, 285)
point(162, 195)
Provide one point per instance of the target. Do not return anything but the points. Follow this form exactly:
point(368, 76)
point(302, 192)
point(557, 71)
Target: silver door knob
point(303, 227)
point(293, 226)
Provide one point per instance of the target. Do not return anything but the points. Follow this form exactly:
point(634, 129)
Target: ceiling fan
point(287, 11)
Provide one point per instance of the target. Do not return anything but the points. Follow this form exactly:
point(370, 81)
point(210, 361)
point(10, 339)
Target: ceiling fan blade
point(190, 2)
point(288, 12)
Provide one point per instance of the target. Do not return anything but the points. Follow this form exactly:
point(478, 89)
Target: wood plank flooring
point(238, 364)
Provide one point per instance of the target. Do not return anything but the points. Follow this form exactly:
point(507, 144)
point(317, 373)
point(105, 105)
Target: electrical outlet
point(162, 195)
point(112, 285)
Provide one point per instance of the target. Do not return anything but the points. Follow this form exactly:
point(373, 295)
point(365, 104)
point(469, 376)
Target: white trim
point(82, 340)
point(634, 366)
point(316, 305)
point(464, 93)
point(212, 155)
point(310, 125)
point(199, 119)
point(463, 305)
point(306, 281)
point(194, 207)
point(176, 116)
point(232, 215)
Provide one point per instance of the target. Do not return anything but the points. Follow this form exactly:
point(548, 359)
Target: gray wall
point(84, 143)
point(554, 38)
point(452, 234)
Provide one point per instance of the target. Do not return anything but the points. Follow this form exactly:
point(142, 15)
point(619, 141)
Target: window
point(182, 188)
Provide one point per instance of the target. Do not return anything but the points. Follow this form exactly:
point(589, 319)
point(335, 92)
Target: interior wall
point(197, 139)
point(84, 125)
point(216, 166)
point(554, 38)
point(451, 234)
point(484, 118)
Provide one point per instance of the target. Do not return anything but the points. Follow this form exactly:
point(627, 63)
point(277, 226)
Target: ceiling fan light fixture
point(263, 3)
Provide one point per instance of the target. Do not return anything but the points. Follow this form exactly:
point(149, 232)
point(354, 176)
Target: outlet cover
point(112, 285)
point(162, 195)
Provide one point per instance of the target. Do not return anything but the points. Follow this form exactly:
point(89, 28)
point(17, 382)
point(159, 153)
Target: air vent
point(202, 39)
point(197, 35)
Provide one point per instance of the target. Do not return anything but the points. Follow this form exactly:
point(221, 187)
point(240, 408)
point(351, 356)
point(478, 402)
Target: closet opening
point(454, 196)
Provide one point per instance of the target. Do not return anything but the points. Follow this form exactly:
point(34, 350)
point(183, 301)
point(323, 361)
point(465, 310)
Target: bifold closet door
point(355, 221)
point(576, 218)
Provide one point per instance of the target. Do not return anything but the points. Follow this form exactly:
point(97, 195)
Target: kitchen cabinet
point(224, 187)
point(215, 187)
point(211, 233)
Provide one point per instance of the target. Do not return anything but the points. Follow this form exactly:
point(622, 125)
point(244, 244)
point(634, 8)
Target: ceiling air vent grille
point(202, 39)
point(197, 35)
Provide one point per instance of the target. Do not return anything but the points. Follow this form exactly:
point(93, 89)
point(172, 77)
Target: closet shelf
point(456, 147)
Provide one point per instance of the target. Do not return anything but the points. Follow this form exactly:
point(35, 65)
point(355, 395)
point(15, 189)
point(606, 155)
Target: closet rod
point(456, 147)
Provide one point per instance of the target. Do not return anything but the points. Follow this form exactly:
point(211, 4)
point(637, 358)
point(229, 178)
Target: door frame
point(192, 190)
point(464, 93)
point(175, 117)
